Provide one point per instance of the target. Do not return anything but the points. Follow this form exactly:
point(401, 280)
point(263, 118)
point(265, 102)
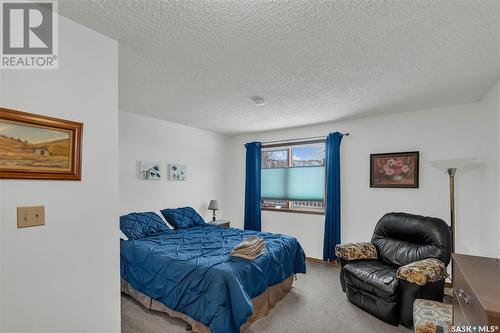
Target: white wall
point(64, 276)
point(489, 146)
point(437, 133)
point(1, 261)
point(496, 90)
point(143, 138)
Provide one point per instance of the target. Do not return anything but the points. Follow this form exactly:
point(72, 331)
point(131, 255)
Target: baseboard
point(320, 261)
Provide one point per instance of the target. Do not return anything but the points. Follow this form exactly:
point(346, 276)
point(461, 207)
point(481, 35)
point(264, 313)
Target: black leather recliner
point(385, 276)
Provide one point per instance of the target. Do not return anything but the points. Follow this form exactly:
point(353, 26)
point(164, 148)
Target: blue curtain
point(332, 213)
point(252, 186)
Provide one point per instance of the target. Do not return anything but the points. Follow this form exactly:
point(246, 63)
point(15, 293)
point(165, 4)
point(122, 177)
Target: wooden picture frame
point(394, 170)
point(39, 147)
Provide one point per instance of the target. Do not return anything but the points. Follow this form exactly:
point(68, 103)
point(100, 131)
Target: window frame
point(289, 146)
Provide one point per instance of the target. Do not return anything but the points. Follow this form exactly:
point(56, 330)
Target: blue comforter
point(191, 271)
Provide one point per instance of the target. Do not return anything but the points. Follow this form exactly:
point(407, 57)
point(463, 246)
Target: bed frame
point(262, 304)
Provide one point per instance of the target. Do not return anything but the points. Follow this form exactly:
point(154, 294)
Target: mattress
point(190, 271)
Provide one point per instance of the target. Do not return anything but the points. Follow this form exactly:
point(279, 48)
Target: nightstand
point(220, 223)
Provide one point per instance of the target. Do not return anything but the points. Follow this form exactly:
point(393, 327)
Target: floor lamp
point(450, 166)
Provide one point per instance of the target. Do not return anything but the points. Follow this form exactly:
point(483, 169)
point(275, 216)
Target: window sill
point(298, 211)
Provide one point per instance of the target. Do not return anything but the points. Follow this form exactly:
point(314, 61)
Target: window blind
point(294, 183)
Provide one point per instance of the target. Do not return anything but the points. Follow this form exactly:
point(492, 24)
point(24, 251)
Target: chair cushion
point(422, 271)
point(369, 275)
point(427, 313)
point(356, 251)
point(402, 238)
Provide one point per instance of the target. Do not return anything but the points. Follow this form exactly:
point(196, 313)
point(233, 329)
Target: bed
point(189, 273)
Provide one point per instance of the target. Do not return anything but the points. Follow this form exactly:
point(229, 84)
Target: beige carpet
point(315, 304)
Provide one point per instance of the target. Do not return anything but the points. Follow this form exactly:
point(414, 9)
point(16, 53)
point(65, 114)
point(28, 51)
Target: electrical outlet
point(30, 216)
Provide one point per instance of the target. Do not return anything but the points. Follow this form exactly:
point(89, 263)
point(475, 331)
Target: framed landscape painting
point(399, 170)
point(39, 147)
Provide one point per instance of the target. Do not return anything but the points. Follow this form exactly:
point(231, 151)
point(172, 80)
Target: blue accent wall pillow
point(182, 218)
point(140, 225)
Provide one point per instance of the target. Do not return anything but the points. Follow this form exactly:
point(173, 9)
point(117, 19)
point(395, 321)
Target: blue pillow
point(140, 225)
point(182, 218)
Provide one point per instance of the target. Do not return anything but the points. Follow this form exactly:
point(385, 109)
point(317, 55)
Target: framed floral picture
point(398, 170)
point(177, 172)
point(33, 146)
point(150, 170)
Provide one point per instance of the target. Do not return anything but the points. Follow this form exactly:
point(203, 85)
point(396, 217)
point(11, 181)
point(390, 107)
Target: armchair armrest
point(356, 251)
point(423, 271)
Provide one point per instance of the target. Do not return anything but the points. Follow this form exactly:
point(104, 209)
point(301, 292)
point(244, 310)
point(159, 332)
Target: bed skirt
point(262, 304)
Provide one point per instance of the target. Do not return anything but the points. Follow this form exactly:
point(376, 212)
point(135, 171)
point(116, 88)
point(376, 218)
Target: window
point(275, 158)
point(293, 177)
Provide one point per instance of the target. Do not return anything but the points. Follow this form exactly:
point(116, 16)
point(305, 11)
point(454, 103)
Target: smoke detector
point(258, 100)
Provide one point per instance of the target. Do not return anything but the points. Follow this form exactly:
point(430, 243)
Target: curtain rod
point(302, 139)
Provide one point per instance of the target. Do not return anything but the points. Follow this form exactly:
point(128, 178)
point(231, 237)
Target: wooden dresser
point(476, 287)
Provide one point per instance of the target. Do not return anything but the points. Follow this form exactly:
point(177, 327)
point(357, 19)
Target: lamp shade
point(454, 163)
point(213, 205)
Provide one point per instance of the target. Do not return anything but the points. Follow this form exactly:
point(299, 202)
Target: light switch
point(30, 216)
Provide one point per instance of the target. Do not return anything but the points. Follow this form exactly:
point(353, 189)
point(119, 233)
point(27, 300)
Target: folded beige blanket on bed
point(250, 248)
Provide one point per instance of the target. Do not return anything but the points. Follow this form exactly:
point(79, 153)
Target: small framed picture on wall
point(394, 170)
point(177, 172)
point(150, 170)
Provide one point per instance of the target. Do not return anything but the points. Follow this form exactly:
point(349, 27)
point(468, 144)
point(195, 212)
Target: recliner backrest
point(402, 238)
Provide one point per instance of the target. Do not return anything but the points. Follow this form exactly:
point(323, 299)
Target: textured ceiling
point(200, 62)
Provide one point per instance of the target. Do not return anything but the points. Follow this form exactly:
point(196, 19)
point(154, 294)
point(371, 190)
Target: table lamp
point(213, 205)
